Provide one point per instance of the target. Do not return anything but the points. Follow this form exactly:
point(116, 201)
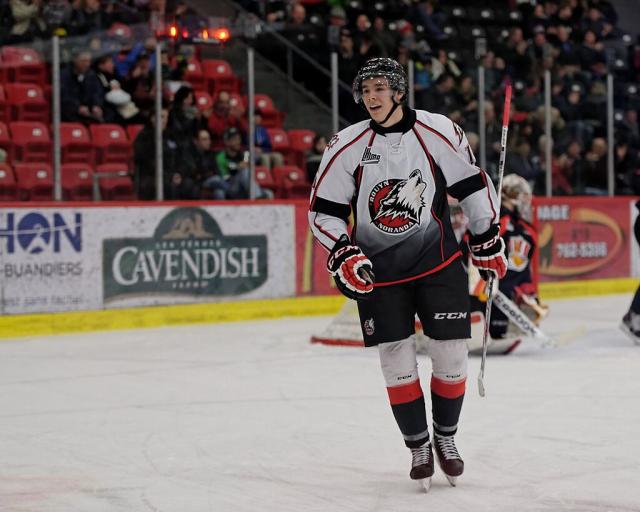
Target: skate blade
point(452, 480)
point(425, 483)
point(630, 335)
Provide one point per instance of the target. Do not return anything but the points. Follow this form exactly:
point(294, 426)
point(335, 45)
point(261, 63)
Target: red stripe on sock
point(448, 389)
point(405, 393)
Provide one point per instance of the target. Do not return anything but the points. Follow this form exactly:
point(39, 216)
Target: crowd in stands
point(578, 41)
point(108, 80)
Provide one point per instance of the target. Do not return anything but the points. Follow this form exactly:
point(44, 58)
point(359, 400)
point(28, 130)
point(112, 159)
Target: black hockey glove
point(351, 269)
point(488, 253)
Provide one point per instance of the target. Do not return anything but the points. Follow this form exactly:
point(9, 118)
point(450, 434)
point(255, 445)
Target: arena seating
point(8, 185)
point(35, 181)
point(77, 182)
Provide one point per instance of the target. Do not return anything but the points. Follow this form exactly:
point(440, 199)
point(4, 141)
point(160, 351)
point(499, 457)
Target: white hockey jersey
point(395, 181)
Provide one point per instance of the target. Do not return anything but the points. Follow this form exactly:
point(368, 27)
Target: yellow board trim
point(46, 324)
point(569, 289)
point(14, 326)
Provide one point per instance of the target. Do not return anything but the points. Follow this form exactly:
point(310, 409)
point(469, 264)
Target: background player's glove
point(487, 253)
point(527, 300)
point(351, 269)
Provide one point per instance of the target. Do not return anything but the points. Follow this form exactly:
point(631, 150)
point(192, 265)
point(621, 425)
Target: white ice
point(250, 417)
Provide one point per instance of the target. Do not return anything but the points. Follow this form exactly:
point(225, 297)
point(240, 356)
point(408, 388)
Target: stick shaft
point(489, 290)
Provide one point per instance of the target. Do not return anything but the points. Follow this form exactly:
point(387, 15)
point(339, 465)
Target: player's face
point(377, 97)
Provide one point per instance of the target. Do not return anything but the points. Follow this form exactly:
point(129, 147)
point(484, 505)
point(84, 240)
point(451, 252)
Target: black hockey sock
point(407, 404)
point(446, 404)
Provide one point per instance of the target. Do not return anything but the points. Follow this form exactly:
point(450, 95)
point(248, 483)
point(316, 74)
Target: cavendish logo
point(395, 205)
point(187, 255)
point(368, 157)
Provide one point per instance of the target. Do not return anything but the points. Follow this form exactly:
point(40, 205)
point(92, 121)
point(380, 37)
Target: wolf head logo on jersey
point(395, 205)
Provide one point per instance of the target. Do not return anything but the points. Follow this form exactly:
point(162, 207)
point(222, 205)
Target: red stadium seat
point(219, 76)
point(110, 144)
point(279, 140)
point(119, 30)
point(8, 186)
point(27, 102)
point(5, 140)
point(5, 111)
point(300, 141)
point(271, 116)
point(23, 64)
point(75, 143)
point(77, 182)
point(237, 103)
point(119, 186)
point(193, 74)
point(35, 181)
point(31, 142)
point(265, 178)
point(291, 182)
point(133, 130)
point(203, 100)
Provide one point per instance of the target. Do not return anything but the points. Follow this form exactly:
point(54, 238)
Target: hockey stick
point(522, 321)
point(503, 156)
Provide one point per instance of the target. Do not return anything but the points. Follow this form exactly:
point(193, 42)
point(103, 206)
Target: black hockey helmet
point(381, 66)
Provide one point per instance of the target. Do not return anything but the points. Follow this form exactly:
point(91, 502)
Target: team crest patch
point(519, 249)
point(333, 141)
point(369, 327)
point(395, 205)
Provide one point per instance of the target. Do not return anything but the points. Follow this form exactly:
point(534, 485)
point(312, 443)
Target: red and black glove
point(351, 269)
point(488, 253)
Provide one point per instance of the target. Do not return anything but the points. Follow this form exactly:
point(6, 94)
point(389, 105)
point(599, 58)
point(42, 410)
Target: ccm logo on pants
point(450, 316)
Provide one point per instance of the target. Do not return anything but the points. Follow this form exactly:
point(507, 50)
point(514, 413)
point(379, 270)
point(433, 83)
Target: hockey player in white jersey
point(393, 172)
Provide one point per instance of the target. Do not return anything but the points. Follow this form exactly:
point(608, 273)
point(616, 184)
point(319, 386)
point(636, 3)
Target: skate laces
point(420, 455)
point(447, 447)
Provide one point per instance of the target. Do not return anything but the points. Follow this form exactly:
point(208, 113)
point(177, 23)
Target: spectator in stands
point(626, 165)
point(591, 52)
point(467, 99)
point(567, 51)
point(81, 93)
point(314, 156)
point(441, 64)
point(117, 105)
point(127, 57)
point(234, 180)
point(382, 37)
point(222, 117)
point(540, 49)
point(27, 21)
point(424, 14)
point(184, 116)
point(140, 83)
point(567, 175)
point(595, 168)
point(263, 145)
point(441, 97)
point(519, 161)
point(200, 162)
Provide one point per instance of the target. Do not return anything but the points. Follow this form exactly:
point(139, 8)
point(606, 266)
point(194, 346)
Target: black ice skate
point(630, 325)
point(449, 459)
point(422, 464)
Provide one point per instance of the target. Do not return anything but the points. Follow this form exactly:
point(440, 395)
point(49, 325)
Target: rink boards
point(77, 266)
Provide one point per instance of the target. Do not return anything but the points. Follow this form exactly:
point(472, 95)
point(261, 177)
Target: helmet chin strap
point(393, 109)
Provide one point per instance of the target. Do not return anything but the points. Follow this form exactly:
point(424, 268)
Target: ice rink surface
point(250, 417)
